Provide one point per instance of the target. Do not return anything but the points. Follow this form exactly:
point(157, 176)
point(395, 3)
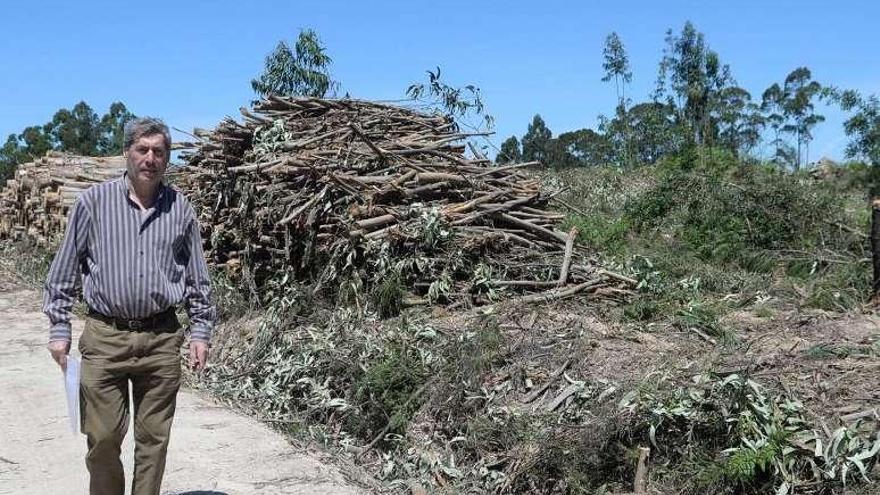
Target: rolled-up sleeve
point(64, 275)
point(198, 296)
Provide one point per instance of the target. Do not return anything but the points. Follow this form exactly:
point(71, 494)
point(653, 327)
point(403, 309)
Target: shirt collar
point(124, 188)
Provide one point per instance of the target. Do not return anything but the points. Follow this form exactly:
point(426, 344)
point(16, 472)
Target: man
point(135, 244)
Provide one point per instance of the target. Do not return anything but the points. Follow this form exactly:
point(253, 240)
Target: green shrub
point(829, 350)
point(712, 227)
point(231, 300)
point(747, 216)
point(704, 160)
point(602, 233)
point(643, 309)
point(840, 287)
point(384, 393)
point(736, 436)
point(388, 295)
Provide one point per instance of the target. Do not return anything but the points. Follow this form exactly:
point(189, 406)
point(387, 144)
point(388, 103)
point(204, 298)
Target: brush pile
point(352, 195)
point(36, 202)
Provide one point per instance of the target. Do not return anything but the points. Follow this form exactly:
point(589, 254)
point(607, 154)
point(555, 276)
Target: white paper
point(71, 386)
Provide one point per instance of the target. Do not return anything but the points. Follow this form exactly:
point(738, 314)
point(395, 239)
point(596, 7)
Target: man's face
point(147, 159)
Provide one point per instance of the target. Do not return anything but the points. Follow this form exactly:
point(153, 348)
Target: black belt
point(154, 321)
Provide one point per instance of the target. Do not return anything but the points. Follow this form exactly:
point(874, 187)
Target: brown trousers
point(112, 360)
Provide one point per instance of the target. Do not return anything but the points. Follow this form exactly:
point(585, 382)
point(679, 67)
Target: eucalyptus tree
point(862, 126)
point(111, 129)
point(692, 77)
point(799, 91)
point(738, 120)
point(510, 151)
point(301, 71)
point(76, 130)
point(536, 140)
point(773, 108)
point(616, 66)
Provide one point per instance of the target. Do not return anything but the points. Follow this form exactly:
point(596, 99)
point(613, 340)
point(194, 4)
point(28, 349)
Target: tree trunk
point(875, 247)
point(807, 153)
point(776, 156)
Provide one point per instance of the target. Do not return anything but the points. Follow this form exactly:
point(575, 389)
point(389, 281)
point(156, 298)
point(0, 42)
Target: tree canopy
point(301, 71)
point(536, 140)
point(696, 105)
point(77, 130)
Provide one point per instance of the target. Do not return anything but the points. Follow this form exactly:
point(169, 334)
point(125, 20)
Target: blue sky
point(191, 62)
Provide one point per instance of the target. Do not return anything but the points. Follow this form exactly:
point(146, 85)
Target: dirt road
point(213, 451)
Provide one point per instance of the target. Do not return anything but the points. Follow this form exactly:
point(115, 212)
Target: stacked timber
point(354, 194)
point(36, 202)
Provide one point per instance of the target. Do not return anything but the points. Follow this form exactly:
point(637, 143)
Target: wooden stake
point(566, 260)
point(640, 484)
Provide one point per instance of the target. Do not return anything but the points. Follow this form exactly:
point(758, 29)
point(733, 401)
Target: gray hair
point(145, 126)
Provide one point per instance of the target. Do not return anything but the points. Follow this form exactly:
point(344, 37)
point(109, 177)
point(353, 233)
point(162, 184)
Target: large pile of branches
point(34, 204)
point(358, 197)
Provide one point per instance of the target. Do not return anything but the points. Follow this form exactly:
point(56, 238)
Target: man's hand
point(59, 350)
point(198, 354)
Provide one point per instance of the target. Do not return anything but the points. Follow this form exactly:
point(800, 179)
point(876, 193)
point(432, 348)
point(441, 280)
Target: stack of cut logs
point(336, 190)
point(35, 203)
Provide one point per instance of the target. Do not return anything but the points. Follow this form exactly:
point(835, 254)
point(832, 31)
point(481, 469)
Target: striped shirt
point(132, 263)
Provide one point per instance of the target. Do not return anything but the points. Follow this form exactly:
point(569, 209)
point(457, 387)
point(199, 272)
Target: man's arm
point(60, 289)
point(198, 297)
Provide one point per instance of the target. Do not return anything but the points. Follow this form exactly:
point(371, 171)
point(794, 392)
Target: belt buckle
point(135, 324)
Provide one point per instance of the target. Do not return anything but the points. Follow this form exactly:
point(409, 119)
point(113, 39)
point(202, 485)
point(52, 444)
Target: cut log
point(37, 201)
point(350, 180)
